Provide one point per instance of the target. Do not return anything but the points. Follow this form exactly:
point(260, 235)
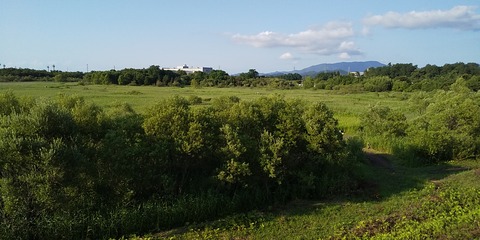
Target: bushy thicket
point(70, 169)
point(445, 126)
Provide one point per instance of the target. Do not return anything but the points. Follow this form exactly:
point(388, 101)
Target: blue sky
point(235, 35)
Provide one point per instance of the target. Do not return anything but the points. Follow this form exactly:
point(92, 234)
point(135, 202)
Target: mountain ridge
point(342, 67)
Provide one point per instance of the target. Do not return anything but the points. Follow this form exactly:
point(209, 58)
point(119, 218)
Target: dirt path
point(378, 159)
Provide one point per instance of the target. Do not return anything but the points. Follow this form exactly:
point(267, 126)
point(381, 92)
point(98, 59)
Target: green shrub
point(378, 84)
point(400, 86)
point(71, 170)
point(383, 121)
point(9, 103)
point(450, 125)
point(194, 100)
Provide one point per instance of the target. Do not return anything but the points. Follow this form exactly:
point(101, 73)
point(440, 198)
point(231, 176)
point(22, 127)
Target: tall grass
point(152, 216)
point(146, 96)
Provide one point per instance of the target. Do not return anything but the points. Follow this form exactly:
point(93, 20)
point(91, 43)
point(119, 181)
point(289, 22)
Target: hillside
point(342, 67)
point(430, 202)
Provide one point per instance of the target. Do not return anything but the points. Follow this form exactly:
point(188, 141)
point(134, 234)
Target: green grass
point(435, 202)
point(347, 107)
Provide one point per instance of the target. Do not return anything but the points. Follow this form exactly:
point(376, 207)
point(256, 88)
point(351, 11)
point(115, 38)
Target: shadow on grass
point(383, 178)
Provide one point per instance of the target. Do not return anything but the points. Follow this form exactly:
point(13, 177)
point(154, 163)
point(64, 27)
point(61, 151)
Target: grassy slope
point(435, 202)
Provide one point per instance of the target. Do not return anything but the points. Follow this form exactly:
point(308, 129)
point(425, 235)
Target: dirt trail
point(379, 159)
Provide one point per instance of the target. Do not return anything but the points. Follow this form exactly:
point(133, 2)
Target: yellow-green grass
point(347, 107)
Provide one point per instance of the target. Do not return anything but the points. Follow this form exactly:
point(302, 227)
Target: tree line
point(29, 75)
point(392, 77)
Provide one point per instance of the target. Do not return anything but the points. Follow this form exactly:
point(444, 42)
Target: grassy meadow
point(439, 201)
point(347, 107)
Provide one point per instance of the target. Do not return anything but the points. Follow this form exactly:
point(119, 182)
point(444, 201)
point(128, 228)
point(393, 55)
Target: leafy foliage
point(446, 126)
point(450, 125)
point(68, 162)
point(383, 121)
point(378, 84)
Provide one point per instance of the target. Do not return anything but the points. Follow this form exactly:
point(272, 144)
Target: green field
point(347, 107)
point(437, 201)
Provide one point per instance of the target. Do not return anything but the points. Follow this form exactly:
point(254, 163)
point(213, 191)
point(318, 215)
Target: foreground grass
point(435, 202)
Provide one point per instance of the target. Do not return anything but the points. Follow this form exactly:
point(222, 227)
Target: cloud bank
point(329, 39)
point(459, 17)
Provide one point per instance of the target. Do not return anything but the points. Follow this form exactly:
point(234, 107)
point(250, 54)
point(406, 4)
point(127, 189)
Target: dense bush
point(446, 126)
point(450, 126)
point(69, 169)
point(382, 128)
point(378, 84)
point(383, 121)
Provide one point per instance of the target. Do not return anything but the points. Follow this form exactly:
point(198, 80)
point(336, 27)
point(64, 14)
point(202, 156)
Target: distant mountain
point(342, 67)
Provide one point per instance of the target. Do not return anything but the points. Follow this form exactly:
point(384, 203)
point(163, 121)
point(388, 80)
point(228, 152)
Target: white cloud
point(344, 55)
point(325, 40)
point(459, 17)
point(287, 56)
point(365, 31)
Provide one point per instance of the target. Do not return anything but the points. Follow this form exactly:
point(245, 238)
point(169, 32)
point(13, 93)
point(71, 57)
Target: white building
point(189, 70)
point(356, 74)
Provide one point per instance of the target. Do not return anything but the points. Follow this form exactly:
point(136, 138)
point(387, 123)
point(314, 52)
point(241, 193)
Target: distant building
point(356, 74)
point(190, 70)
